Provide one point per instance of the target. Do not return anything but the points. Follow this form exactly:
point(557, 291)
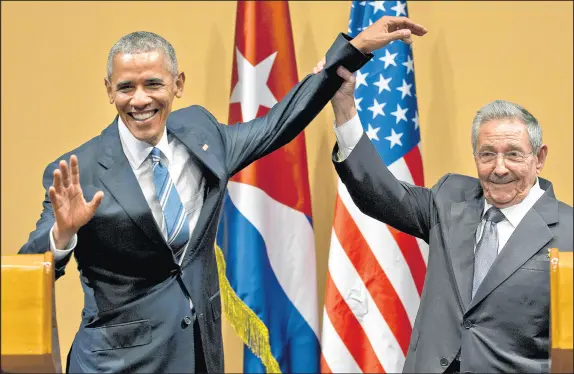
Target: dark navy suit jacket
point(135, 294)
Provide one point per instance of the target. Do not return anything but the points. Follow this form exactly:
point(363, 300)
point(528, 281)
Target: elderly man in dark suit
point(139, 204)
point(485, 304)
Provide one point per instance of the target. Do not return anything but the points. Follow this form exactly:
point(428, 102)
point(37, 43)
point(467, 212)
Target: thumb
point(346, 74)
point(53, 197)
point(398, 35)
point(96, 201)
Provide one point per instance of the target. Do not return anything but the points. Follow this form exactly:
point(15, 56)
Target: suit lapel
point(213, 172)
point(464, 220)
point(527, 239)
point(116, 174)
point(195, 141)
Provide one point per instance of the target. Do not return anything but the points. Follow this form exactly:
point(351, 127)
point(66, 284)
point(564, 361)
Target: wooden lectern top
point(29, 334)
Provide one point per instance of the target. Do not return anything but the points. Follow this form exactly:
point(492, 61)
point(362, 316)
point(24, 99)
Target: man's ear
point(541, 158)
point(109, 90)
point(179, 82)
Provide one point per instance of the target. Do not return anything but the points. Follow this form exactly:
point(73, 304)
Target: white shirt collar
point(137, 151)
point(515, 213)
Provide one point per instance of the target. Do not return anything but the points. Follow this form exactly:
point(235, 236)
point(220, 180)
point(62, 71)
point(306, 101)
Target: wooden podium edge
point(50, 356)
point(561, 359)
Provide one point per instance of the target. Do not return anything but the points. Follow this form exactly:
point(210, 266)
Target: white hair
point(500, 109)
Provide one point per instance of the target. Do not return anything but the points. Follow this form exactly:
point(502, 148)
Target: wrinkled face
point(506, 180)
point(142, 89)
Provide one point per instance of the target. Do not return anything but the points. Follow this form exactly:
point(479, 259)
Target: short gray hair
point(142, 42)
point(500, 109)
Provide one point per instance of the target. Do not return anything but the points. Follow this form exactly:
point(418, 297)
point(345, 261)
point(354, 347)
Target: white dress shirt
point(512, 216)
point(186, 176)
point(348, 136)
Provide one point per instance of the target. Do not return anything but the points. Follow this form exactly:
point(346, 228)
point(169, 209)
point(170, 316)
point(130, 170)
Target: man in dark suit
point(485, 304)
point(140, 211)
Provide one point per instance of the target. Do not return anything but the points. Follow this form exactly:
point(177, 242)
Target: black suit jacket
point(134, 316)
point(505, 327)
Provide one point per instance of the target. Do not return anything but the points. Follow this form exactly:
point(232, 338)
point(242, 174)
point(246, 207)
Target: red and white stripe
point(375, 279)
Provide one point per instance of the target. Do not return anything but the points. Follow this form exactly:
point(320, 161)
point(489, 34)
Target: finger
point(399, 35)
point(75, 169)
point(57, 182)
point(407, 40)
point(398, 23)
point(322, 63)
point(53, 197)
point(65, 173)
point(405, 23)
point(345, 74)
point(96, 201)
point(315, 70)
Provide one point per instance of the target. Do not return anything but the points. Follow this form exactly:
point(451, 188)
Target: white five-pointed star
point(394, 138)
point(377, 5)
point(372, 132)
point(383, 83)
point(405, 89)
point(389, 59)
point(377, 108)
point(251, 89)
point(408, 64)
point(400, 113)
point(361, 79)
point(358, 103)
point(416, 120)
point(400, 8)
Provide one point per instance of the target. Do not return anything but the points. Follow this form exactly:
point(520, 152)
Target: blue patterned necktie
point(487, 247)
point(175, 217)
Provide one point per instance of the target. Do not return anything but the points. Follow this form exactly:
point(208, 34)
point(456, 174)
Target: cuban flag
point(265, 243)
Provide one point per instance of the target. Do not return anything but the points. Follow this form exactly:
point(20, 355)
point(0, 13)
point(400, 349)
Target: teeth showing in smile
point(142, 116)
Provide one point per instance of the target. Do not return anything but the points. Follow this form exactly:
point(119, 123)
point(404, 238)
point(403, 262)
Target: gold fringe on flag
point(250, 329)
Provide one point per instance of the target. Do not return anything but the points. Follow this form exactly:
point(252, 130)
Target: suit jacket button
point(467, 324)
point(186, 321)
point(443, 361)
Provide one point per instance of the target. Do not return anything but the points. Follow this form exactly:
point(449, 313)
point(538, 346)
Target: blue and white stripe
point(270, 260)
point(175, 218)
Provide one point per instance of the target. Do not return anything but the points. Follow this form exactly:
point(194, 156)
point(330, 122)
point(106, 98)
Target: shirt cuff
point(60, 254)
point(348, 136)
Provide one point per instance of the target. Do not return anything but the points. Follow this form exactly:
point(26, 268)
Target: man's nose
point(500, 168)
point(140, 99)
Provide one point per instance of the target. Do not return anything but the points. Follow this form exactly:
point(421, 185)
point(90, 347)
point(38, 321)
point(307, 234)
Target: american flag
point(376, 273)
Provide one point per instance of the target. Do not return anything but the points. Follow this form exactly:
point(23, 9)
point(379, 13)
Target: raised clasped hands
point(385, 30)
point(70, 208)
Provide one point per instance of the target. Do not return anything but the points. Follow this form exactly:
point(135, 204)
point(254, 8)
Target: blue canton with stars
point(385, 94)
